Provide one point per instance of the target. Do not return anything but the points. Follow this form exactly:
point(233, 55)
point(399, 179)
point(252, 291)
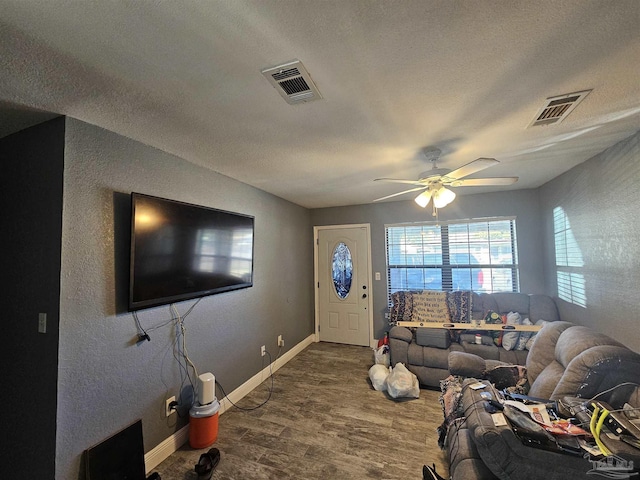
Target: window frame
point(446, 267)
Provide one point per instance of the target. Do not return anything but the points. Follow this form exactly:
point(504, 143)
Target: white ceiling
point(465, 76)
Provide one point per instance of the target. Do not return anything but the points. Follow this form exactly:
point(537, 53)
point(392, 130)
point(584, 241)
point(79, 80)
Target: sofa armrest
point(399, 340)
point(466, 364)
point(401, 333)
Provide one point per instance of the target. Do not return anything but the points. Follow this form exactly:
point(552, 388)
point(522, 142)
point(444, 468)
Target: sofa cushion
point(466, 364)
point(513, 357)
point(414, 355)
point(488, 352)
point(542, 307)
point(542, 351)
point(512, 302)
point(433, 337)
point(546, 382)
point(431, 356)
point(428, 376)
point(576, 340)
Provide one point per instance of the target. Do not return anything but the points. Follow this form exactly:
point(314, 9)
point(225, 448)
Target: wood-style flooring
point(324, 421)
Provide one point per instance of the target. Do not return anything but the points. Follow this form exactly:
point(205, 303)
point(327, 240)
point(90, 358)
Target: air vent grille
point(556, 109)
point(294, 85)
point(293, 82)
point(282, 74)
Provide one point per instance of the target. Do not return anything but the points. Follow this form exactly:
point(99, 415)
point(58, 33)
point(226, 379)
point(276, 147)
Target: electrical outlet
point(263, 351)
point(280, 341)
point(168, 409)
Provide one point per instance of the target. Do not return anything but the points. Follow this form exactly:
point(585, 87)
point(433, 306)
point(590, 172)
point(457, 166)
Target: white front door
point(343, 285)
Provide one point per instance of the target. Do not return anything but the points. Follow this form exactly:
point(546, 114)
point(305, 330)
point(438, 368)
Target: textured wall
point(601, 201)
point(106, 381)
point(521, 203)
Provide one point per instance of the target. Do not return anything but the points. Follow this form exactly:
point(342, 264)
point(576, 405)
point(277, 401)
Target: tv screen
point(120, 457)
point(181, 251)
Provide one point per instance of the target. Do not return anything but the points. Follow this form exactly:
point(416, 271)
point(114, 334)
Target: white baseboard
point(164, 449)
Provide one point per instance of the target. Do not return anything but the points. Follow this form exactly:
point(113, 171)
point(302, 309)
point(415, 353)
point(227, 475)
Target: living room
point(95, 378)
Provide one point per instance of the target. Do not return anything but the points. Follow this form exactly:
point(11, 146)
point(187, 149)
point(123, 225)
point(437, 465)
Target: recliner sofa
point(565, 360)
point(430, 364)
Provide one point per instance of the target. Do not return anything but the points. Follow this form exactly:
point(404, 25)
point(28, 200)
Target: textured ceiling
point(467, 77)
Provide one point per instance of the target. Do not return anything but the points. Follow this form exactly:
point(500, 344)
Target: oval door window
point(342, 269)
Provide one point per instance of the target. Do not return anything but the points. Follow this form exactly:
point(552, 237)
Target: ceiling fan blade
point(395, 180)
point(472, 167)
point(399, 193)
point(483, 182)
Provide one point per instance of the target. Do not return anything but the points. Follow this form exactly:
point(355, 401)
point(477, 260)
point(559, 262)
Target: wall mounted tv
point(181, 251)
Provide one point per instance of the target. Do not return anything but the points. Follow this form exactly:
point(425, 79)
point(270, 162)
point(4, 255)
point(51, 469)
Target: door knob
point(364, 295)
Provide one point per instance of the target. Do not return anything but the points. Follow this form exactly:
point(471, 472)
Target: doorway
point(344, 304)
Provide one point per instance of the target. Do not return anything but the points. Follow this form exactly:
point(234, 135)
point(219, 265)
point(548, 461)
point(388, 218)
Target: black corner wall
point(31, 203)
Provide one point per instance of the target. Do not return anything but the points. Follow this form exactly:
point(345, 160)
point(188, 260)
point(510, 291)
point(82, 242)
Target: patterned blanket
point(431, 306)
point(450, 400)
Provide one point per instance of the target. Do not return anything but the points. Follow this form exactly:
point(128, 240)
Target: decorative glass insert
point(342, 270)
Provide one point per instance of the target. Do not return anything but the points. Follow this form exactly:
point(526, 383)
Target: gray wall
point(523, 204)
point(601, 199)
point(105, 380)
point(31, 202)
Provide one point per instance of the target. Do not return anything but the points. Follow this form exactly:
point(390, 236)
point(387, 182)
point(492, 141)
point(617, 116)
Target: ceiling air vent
point(557, 108)
point(293, 82)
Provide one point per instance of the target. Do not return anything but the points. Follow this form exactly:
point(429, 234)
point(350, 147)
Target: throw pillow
point(524, 336)
point(533, 337)
point(510, 339)
point(493, 317)
point(430, 306)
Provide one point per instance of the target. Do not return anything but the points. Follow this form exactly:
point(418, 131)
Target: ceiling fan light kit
point(443, 197)
point(433, 183)
point(424, 198)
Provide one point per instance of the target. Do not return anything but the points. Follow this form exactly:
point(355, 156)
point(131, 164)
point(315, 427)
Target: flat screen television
point(181, 251)
point(119, 457)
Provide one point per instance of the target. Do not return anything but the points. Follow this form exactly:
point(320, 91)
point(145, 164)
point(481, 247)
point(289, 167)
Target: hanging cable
point(249, 409)
point(142, 334)
point(181, 343)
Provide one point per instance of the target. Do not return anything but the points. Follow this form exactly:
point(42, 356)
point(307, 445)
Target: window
point(569, 261)
point(478, 255)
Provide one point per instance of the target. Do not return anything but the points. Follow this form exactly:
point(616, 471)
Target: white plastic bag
point(381, 355)
point(378, 375)
point(402, 383)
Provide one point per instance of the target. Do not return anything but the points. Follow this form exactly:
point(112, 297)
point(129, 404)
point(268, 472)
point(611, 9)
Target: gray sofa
point(565, 360)
point(430, 364)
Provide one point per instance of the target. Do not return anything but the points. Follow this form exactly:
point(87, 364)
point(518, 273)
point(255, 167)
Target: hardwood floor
point(324, 420)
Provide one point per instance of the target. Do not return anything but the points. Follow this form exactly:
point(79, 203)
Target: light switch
point(377, 275)
point(42, 323)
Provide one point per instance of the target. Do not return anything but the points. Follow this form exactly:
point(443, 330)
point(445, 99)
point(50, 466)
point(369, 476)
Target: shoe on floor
point(429, 473)
point(207, 464)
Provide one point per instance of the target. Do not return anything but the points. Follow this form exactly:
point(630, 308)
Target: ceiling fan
point(433, 182)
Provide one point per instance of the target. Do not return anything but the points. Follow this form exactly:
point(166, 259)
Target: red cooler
point(203, 424)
